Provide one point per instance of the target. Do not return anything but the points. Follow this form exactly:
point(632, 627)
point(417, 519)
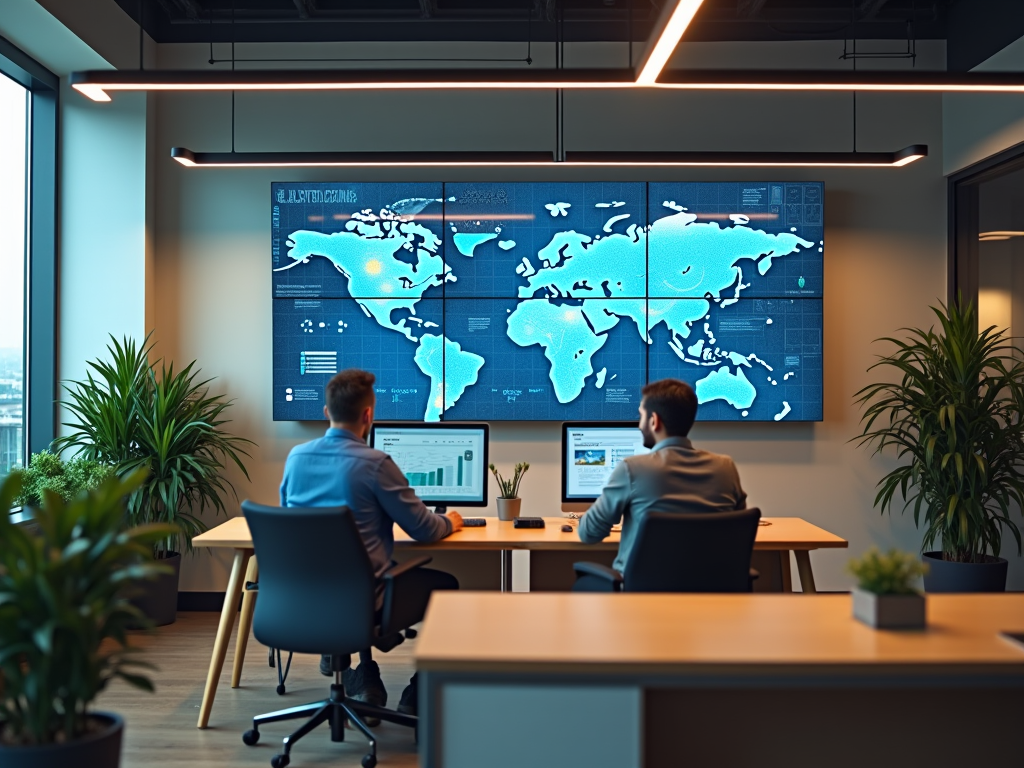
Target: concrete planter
point(508, 509)
point(889, 611)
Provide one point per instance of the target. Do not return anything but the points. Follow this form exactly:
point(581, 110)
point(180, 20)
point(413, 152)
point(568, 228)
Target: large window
point(14, 152)
point(28, 255)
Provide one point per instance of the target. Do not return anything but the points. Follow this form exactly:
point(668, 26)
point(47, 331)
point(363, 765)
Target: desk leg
point(787, 571)
point(252, 574)
point(220, 644)
point(506, 570)
point(803, 566)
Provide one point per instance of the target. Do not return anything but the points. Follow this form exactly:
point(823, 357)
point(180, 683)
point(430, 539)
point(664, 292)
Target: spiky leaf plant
point(131, 413)
point(954, 419)
point(63, 609)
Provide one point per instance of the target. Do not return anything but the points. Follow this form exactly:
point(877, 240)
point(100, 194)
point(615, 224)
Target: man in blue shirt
point(673, 477)
point(340, 469)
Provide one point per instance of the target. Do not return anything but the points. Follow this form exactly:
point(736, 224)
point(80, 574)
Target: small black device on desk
point(528, 522)
point(474, 522)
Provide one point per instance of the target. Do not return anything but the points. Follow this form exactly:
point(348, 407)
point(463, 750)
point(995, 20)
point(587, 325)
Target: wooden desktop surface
point(784, 533)
point(687, 634)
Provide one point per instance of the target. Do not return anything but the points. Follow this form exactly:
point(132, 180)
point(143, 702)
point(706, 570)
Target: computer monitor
point(590, 451)
point(446, 464)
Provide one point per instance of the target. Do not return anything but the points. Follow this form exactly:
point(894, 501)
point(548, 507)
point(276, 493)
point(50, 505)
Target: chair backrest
point(703, 552)
point(316, 583)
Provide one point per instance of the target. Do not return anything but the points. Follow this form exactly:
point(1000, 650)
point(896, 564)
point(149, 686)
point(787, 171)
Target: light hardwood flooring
point(160, 728)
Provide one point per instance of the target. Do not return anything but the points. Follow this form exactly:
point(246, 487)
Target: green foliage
point(890, 574)
point(510, 488)
point(63, 612)
point(49, 472)
point(955, 418)
point(135, 416)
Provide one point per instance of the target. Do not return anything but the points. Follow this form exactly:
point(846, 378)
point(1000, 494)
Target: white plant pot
point(508, 509)
point(889, 611)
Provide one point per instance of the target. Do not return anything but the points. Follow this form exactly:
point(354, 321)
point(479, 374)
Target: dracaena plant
point(139, 414)
point(953, 418)
point(64, 611)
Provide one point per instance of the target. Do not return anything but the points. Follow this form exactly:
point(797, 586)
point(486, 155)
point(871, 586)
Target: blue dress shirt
point(341, 469)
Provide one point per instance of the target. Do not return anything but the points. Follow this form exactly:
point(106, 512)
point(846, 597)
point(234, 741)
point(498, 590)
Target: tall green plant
point(165, 421)
point(954, 417)
point(63, 609)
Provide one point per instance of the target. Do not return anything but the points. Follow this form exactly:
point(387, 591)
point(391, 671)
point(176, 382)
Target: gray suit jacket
point(673, 477)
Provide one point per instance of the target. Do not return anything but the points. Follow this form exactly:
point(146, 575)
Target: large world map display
point(549, 301)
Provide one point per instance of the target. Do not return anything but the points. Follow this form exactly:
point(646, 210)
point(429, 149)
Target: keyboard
point(474, 522)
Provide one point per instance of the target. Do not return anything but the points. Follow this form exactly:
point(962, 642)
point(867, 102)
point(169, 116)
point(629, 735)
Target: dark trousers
point(405, 601)
point(592, 584)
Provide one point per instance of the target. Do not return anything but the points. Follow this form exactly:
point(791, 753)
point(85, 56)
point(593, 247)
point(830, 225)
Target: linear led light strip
point(999, 234)
point(903, 157)
point(676, 15)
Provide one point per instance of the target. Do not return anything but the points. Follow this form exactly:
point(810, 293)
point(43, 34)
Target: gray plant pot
point(508, 509)
point(949, 576)
point(158, 598)
point(100, 749)
point(889, 611)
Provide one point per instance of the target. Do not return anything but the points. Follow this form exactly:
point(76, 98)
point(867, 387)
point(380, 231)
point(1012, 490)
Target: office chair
point(317, 595)
point(675, 552)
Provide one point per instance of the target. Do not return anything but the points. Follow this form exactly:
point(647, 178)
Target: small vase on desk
point(508, 509)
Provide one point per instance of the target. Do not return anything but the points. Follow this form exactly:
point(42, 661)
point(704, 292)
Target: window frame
point(964, 220)
point(40, 362)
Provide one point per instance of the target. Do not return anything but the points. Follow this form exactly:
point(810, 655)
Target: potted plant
point(47, 471)
point(130, 413)
point(885, 597)
point(509, 502)
point(954, 418)
point(62, 624)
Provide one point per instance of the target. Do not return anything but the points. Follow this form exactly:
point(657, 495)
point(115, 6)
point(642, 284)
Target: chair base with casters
point(335, 710)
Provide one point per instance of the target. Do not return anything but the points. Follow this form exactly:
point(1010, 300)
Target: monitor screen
point(446, 464)
point(590, 451)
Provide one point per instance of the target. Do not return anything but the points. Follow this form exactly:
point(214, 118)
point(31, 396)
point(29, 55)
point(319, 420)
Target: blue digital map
point(549, 301)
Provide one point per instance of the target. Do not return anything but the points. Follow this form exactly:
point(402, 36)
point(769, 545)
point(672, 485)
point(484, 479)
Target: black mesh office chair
point(317, 596)
point(674, 552)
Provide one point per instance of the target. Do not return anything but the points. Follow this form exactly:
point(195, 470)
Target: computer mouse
point(566, 528)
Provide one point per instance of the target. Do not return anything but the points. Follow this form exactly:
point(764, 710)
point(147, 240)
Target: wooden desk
point(669, 673)
point(785, 534)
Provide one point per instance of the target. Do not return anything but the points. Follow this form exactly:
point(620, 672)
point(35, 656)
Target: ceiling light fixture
point(190, 159)
point(665, 36)
point(1000, 234)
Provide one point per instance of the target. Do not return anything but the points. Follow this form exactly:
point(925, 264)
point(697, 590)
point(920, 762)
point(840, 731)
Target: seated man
point(340, 469)
point(673, 477)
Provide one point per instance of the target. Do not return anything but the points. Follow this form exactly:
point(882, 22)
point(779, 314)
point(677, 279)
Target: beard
point(649, 439)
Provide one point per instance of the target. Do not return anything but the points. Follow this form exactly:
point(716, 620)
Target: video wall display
point(549, 301)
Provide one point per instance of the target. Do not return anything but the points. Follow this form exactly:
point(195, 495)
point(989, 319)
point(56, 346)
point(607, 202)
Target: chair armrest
point(601, 571)
point(405, 567)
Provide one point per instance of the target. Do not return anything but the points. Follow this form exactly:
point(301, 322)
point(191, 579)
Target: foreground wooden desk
point(714, 680)
point(785, 534)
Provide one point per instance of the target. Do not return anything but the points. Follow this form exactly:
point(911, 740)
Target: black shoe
point(410, 697)
point(364, 684)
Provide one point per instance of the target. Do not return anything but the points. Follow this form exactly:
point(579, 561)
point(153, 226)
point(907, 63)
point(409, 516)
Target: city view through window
point(14, 101)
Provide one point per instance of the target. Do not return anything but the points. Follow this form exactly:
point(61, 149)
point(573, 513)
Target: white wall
point(885, 250)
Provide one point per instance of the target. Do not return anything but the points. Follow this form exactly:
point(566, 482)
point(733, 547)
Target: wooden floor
point(161, 731)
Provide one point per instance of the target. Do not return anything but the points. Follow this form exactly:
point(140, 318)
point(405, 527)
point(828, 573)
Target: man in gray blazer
point(673, 477)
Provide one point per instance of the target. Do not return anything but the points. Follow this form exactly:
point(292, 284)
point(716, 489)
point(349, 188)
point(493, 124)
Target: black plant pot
point(101, 749)
point(949, 576)
point(158, 599)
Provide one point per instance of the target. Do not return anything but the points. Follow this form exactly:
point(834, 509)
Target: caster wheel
point(369, 761)
point(251, 737)
point(280, 690)
point(279, 761)
point(410, 633)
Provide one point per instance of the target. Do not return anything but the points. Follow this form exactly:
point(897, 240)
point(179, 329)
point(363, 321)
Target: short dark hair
point(674, 401)
point(348, 393)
